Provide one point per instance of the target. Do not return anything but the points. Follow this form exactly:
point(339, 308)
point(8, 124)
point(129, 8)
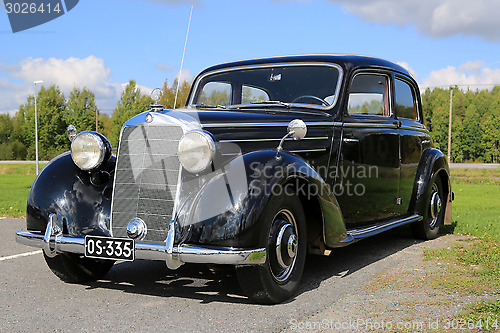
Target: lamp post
point(449, 125)
point(36, 128)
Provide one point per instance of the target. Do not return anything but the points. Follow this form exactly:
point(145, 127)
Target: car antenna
point(182, 61)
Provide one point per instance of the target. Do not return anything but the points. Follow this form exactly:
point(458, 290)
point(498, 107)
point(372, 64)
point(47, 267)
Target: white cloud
point(472, 74)
point(435, 18)
point(89, 72)
point(16, 81)
point(184, 75)
point(408, 68)
point(164, 67)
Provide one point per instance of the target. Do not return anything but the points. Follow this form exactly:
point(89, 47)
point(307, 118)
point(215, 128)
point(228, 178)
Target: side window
point(215, 93)
point(405, 101)
point(252, 94)
point(369, 94)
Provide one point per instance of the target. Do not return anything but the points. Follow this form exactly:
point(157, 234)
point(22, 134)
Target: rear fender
point(433, 163)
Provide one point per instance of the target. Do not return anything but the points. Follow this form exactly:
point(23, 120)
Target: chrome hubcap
point(284, 245)
point(435, 205)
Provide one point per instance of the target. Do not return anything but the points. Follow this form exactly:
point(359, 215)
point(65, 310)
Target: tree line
point(475, 123)
point(475, 120)
point(55, 113)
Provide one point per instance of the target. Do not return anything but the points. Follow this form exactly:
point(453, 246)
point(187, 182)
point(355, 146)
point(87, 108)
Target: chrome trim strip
point(186, 253)
point(354, 234)
point(285, 64)
point(371, 125)
point(306, 150)
point(416, 129)
point(215, 125)
point(277, 139)
point(286, 151)
point(375, 125)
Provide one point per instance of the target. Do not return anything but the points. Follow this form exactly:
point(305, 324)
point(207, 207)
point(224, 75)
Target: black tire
point(433, 219)
point(278, 279)
point(74, 268)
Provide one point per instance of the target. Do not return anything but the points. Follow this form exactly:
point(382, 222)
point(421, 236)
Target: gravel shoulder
point(402, 298)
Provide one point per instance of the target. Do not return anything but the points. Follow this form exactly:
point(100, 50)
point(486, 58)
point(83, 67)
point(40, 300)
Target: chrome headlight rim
point(210, 145)
point(103, 145)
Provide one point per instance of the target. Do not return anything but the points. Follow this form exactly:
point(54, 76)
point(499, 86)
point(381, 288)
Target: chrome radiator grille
point(147, 171)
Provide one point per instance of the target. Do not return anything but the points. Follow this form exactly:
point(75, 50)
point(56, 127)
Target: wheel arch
point(433, 164)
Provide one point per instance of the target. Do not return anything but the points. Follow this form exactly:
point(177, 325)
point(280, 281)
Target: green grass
point(19, 169)
point(484, 315)
point(475, 172)
point(15, 183)
point(474, 265)
point(14, 191)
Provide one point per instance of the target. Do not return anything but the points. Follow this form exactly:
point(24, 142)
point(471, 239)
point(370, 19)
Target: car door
point(369, 164)
point(414, 137)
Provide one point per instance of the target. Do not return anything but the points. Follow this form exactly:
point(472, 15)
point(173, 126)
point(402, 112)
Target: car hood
point(212, 118)
point(246, 131)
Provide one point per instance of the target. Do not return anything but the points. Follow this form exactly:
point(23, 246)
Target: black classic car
point(270, 159)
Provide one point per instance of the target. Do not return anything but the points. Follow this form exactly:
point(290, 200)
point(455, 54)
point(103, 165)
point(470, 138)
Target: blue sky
point(103, 44)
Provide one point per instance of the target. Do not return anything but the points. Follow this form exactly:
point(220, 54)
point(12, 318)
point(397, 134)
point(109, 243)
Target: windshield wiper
point(272, 103)
point(208, 106)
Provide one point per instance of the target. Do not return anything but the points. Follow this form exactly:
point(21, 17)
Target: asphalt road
point(491, 166)
point(146, 296)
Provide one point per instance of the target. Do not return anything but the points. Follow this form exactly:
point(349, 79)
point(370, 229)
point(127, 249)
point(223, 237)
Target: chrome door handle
point(347, 140)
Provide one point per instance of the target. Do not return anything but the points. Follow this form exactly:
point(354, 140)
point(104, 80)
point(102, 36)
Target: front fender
point(433, 163)
point(227, 209)
point(81, 207)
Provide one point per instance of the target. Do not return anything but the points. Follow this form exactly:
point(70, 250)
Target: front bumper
point(53, 242)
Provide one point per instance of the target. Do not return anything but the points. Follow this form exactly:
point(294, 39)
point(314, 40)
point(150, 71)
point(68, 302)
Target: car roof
point(347, 61)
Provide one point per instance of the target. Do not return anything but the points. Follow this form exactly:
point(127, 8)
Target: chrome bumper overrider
point(53, 241)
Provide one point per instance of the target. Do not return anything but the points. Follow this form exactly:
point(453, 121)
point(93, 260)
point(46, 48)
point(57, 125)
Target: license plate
point(109, 248)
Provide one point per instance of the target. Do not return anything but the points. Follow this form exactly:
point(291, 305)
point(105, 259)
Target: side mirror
point(297, 129)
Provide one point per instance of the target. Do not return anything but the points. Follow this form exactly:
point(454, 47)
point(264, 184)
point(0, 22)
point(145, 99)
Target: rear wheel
point(284, 235)
point(433, 219)
point(74, 268)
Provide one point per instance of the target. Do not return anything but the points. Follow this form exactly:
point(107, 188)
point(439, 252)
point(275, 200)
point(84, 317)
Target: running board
point(357, 234)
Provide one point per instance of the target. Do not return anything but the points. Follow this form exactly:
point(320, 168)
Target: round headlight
point(196, 150)
point(88, 150)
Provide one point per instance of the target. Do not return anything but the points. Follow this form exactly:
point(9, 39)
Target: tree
point(131, 103)
point(81, 109)
point(105, 125)
point(52, 139)
point(168, 97)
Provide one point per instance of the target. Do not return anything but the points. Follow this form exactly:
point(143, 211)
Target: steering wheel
point(322, 101)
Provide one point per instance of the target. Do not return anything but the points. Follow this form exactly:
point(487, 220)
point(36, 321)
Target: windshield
point(298, 85)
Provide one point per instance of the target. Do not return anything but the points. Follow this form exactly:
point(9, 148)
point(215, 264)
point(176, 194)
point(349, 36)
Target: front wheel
point(433, 219)
point(285, 239)
point(74, 268)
